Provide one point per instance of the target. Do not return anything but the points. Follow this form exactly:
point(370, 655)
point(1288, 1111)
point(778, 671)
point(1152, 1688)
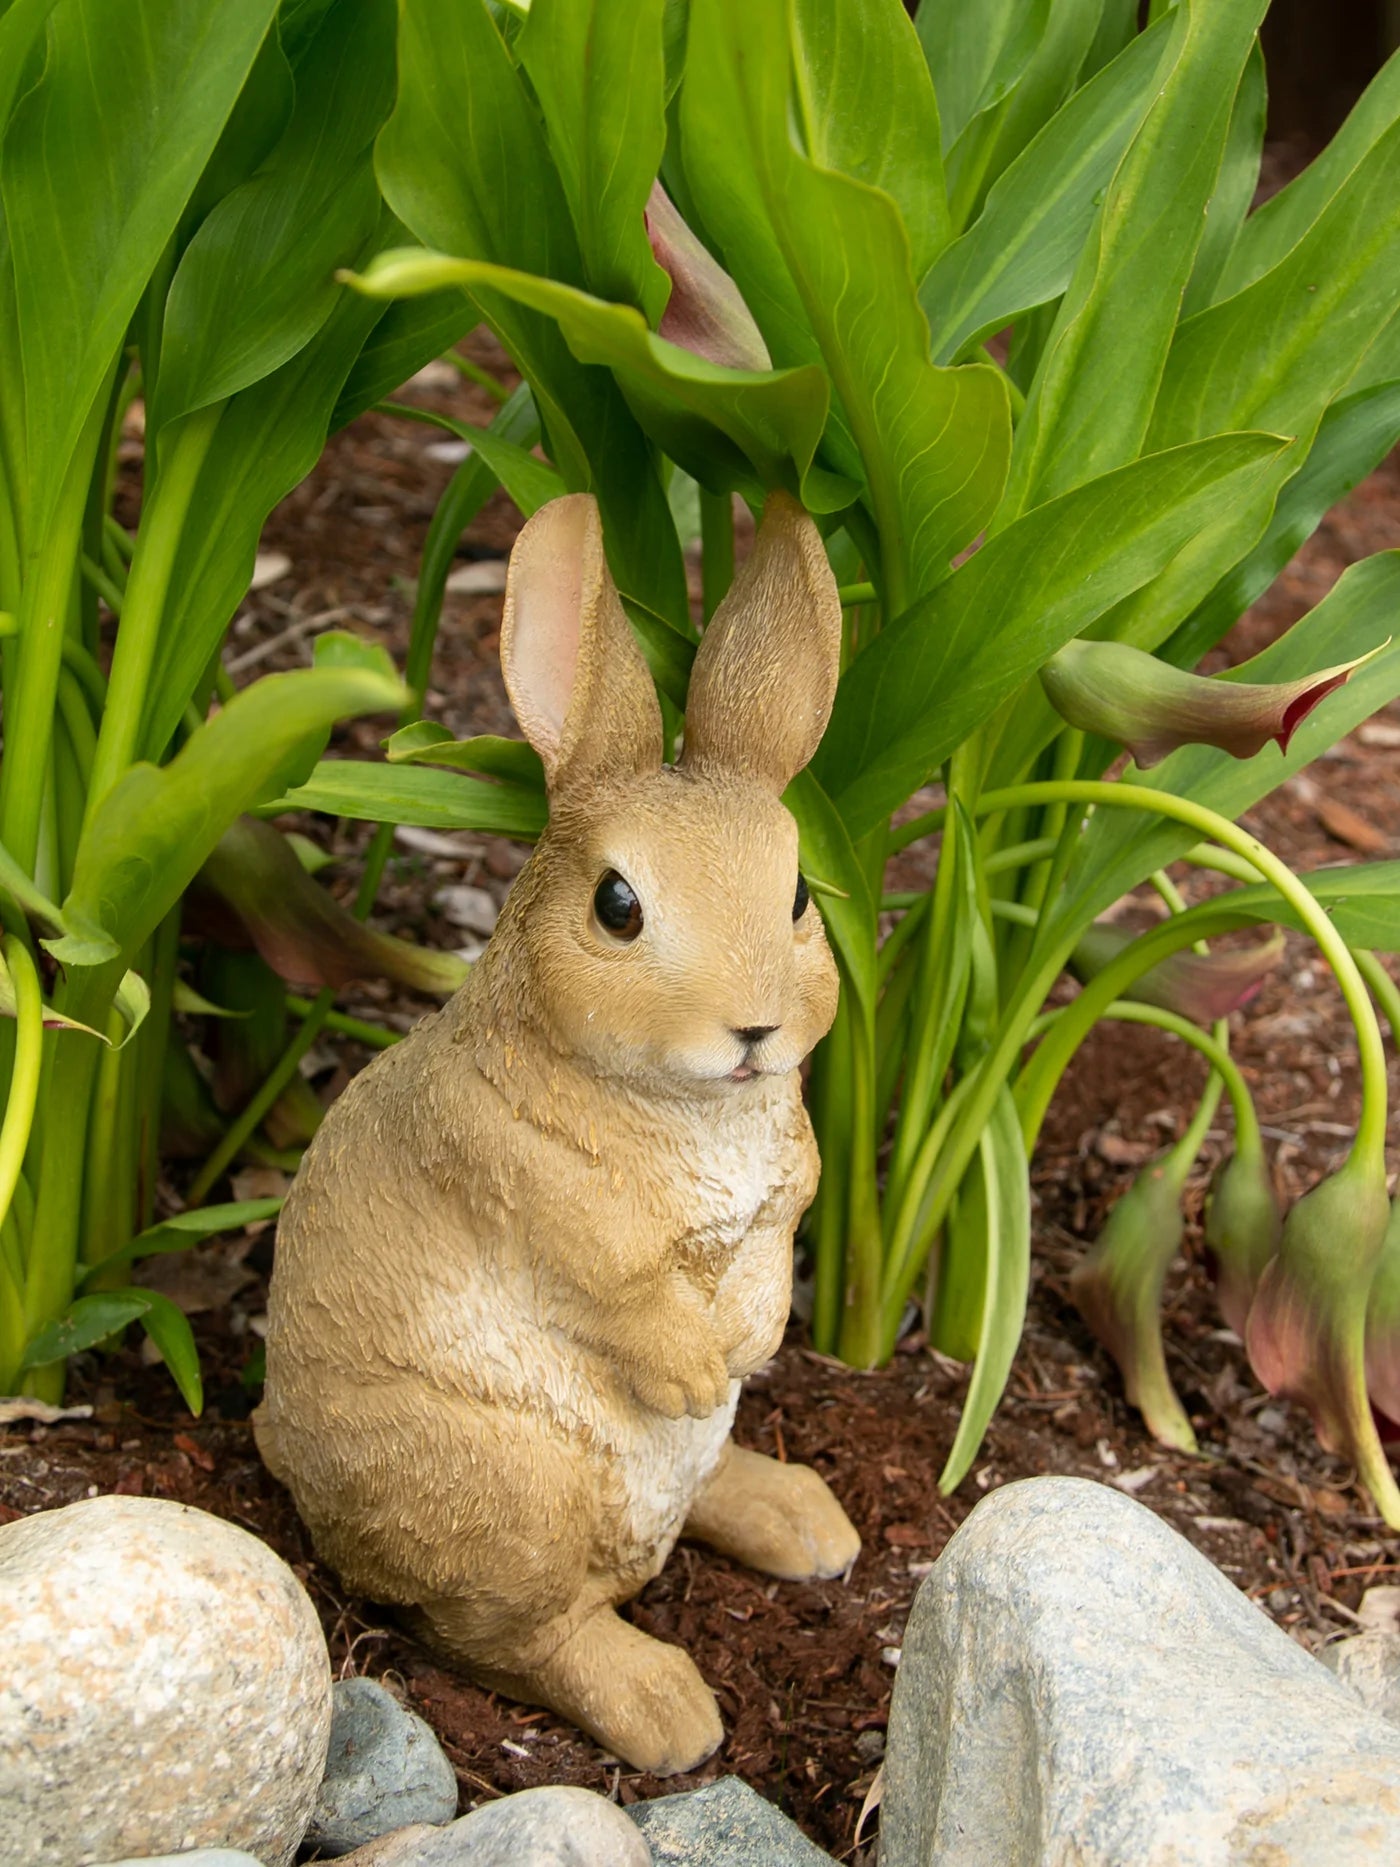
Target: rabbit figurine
point(535, 1247)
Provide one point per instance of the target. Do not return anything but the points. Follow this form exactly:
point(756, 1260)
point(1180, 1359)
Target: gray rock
point(164, 1687)
point(200, 1857)
point(1078, 1684)
point(725, 1824)
point(1368, 1665)
point(554, 1827)
point(384, 1770)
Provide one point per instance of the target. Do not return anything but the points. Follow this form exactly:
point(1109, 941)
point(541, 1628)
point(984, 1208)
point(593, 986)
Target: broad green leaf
point(436, 800)
point(1022, 249)
point(1357, 433)
point(1283, 220)
point(1277, 353)
point(510, 760)
point(850, 55)
point(156, 827)
point(257, 281)
point(531, 483)
point(975, 67)
point(944, 666)
point(169, 1328)
point(1118, 26)
point(1121, 848)
point(1234, 187)
point(99, 160)
point(933, 442)
point(132, 1001)
point(1017, 111)
point(184, 1229)
point(21, 30)
point(481, 183)
point(1006, 1197)
point(89, 1320)
point(599, 72)
point(1362, 900)
point(23, 892)
point(837, 878)
point(409, 334)
point(1090, 405)
point(724, 426)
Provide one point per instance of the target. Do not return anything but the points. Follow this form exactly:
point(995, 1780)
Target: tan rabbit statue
point(536, 1246)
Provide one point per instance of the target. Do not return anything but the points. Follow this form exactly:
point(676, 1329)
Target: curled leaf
point(1132, 698)
point(1383, 1331)
point(1243, 1226)
point(300, 930)
point(1200, 986)
point(705, 313)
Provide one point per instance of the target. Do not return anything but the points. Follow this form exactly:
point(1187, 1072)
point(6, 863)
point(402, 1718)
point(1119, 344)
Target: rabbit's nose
point(754, 1033)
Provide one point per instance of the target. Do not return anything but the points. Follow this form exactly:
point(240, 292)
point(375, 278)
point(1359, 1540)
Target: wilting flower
point(1145, 704)
point(705, 313)
point(1243, 1226)
point(1200, 986)
point(1306, 1333)
point(1383, 1329)
point(302, 932)
point(1117, 1287)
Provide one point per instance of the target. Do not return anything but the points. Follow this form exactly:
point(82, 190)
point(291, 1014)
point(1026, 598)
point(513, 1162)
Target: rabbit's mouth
point(745, 1073)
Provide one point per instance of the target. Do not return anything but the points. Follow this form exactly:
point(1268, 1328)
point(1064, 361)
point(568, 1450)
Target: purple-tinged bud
point(1117, 1287)
point(705, 313)
point(1242, 1231)
point(1383, 1332)
point(1306, 1334)
point(1200, 986)
point(1132, 698)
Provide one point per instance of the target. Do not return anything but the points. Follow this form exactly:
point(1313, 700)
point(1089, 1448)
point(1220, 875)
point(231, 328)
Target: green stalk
point(717, 548)
point(24, 1079)
point(375, 1036)
point(859, 1341)
point(143, 604)
point(475, 373)
point(832, 1118)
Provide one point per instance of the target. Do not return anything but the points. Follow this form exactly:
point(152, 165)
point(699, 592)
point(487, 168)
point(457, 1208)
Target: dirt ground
point(803, 1673)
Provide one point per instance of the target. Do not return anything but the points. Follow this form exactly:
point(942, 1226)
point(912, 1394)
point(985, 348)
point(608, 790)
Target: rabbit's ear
point(575, 675)
point(765, 674)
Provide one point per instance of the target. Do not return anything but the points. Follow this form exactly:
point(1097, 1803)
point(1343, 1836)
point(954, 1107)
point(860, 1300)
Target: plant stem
point(716, 549)
point(251, 1114)
point(376, 1036)
point(24, 1077)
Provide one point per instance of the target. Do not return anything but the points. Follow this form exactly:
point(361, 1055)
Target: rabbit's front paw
point(693, 1381)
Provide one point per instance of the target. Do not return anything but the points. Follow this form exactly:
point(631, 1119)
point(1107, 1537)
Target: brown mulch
point(803, 1673)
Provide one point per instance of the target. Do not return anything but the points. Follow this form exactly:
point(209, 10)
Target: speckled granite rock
point(165, 1687)
point(1368, 1665)
point(200, 1857)
point(384, 1770)
point(554, 1827)
point(725, 1824)
point(1079, 1685)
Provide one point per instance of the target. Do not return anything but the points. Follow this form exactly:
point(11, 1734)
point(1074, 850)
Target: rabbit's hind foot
point(780, 1519)
point(640, 1698)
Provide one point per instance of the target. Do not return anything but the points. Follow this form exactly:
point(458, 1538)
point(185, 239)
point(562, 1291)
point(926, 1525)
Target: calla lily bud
point(1117, 1288)
point(1383, 1331)
point(705, 313)
point(1200, 986)
point(1242, 1232)
point(1306, 1331)
point(1142, 703)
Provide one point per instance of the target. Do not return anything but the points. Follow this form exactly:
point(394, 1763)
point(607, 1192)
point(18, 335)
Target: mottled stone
point(384, 1770)
point(554, 1827)
point(164, 1687)
point(1368, 1665)
point(725, 1824)
point(1080, 1685)
point(199, 1857)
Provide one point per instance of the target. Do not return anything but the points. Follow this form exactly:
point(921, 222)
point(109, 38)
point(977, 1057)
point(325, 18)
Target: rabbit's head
point(665, 933)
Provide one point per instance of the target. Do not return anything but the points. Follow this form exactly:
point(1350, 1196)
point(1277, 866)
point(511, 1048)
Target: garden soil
point(802, 1673)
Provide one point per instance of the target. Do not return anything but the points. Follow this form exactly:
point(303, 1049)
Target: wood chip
point(269, 567)
point(486, 578)
point(1348, 826)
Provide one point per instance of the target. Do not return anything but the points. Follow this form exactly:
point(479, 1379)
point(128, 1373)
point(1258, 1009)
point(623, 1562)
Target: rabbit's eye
point(617, 907)
point(800, 899)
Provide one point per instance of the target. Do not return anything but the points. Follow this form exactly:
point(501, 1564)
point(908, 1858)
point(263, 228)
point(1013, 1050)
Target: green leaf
point(1091, 402)
point(424, 743)
point(100, 159)
point(436, 800)
point(938, 671)
point(1006, 1203)
point(1362, 900)
point(169, 1328)
point(837, 878)
point(531, 483)
point(156, 827)
point(1235, 185)
point(1121, 848)
point(727, 427)
point(257, 281)
point(88, 1320)
point(481, 183)
point(1022, 249)
point(599, 72)
point(408, 336)
point(184, 1229)
point(933, 442)
point(21, 27)
point(973, 70)
point(1269, 234)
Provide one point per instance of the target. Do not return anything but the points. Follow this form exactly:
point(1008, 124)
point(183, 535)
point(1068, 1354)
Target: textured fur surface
point(536, 1246)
